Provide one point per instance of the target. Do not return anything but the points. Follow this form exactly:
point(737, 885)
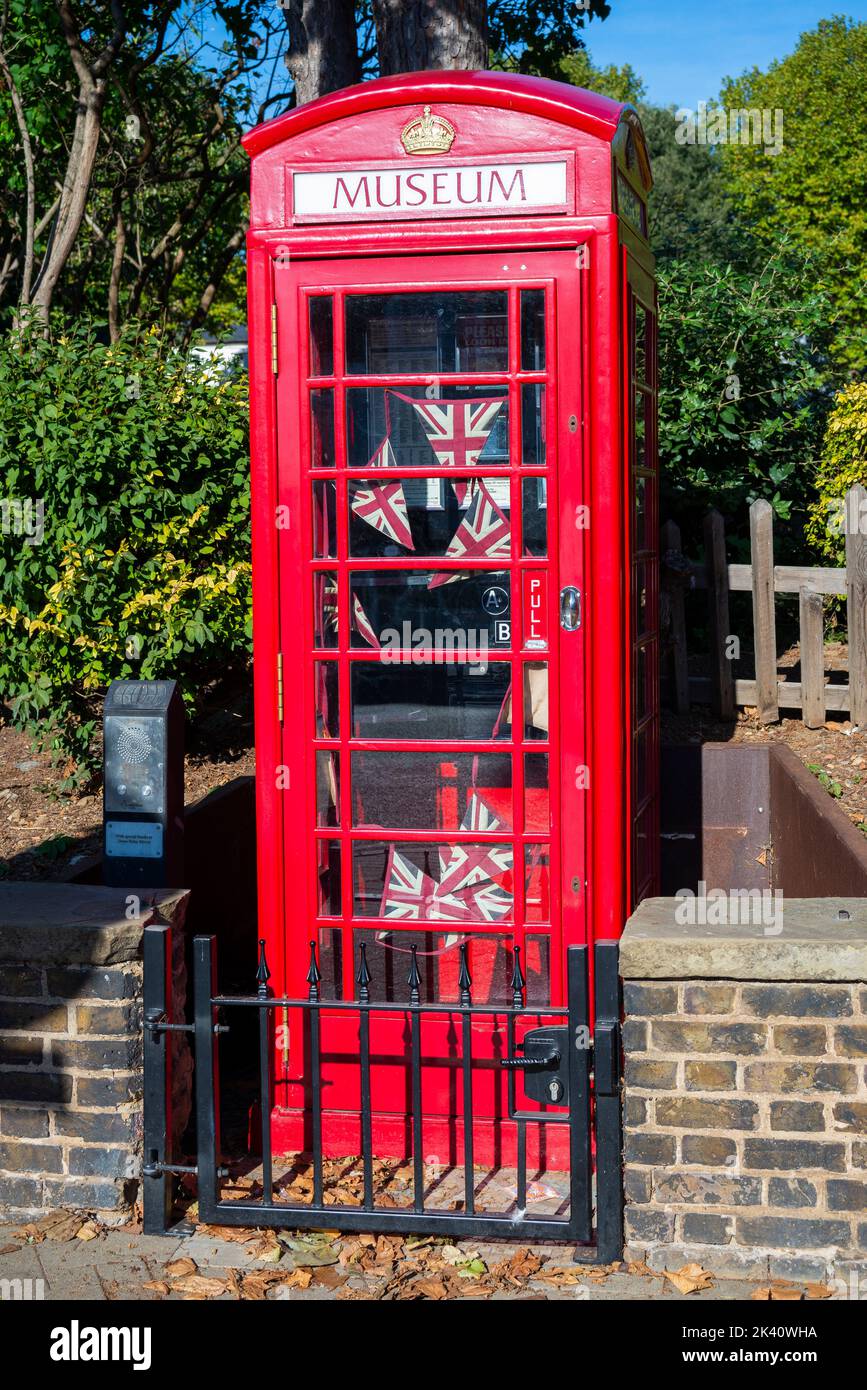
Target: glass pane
point(532, 330)
point(537, 884)
point(534, 516)
point(640, 342)
point(639, 599)
point(326, 686)
point(324, 520)
point(442, 331)
point(460, 517)
point(331, 963)
point(457, 701)
point(643, 512)
point(536, 700)
point(432, 791)
point(426, 882)
point(327, 788)
point(537, 816)
point(536, 967)
point(427, 427)
point(328, 861)
point(642, 404)
point(533, 426)
point(325, 608)
point(322, 431)
point(490, 960)
point(321, 336)
point(643, 850)
point(642, 683)
point(450, 613)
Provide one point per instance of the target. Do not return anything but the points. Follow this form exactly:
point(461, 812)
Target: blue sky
point(684, 48)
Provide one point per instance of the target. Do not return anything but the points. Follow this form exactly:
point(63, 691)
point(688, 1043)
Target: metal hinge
point(280, 687)
point(274, 339)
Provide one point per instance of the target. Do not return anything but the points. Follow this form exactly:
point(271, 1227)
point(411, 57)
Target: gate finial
point(313, 973)
point(413, 979)
point(263, 974)
point(363, 977)
point(465, 980)
point(518, 982)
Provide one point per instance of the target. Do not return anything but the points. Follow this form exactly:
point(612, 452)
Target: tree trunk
point(415, 35)
point(323, 46)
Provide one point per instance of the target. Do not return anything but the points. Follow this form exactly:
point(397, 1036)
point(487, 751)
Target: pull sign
point(535, 610)
point(570, 608)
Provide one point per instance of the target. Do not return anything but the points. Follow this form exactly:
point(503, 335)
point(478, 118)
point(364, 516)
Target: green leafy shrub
point(742, 403)
point(843, 463)
point(140, 462)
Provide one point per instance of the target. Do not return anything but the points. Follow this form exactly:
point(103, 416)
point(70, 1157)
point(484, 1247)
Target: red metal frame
point(587, 263)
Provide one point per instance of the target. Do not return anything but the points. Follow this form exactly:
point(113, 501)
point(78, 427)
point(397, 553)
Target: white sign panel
point(437, 190)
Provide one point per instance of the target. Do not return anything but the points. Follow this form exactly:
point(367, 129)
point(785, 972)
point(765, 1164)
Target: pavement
point(86, 1262)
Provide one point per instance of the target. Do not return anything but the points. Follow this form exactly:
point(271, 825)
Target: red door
point(431, 511)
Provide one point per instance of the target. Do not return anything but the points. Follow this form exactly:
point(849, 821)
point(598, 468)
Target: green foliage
point(813, 190)
point(842, 464)
point(741, 405)
point(691, 216)
point(620, 84)
point(140, 461)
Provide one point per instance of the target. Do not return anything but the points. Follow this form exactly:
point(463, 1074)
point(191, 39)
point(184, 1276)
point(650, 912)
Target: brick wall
point(745, 1114)
point(70, 1048)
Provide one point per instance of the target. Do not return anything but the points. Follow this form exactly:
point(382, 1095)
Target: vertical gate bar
point(466, 999)
point(262, 976)
point(363, 981)
point(156, 1185)
point(609, 1121)
point(580, 1154)
point(518, 983)
point(207, 1074)
point(313, 978)
point(414, 982)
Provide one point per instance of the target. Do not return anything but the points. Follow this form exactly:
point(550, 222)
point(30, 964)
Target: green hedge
point(140, 461)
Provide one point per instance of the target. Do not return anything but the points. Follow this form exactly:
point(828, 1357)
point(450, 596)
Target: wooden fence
point(764, 580)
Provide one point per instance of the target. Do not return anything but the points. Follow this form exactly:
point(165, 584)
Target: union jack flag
point(484, 533)
point(456, 430)
point(479, 875)
point(411, 895)
point(383, 505)
point(363, 624)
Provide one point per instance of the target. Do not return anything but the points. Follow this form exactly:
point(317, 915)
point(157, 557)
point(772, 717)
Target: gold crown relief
point(427, 134)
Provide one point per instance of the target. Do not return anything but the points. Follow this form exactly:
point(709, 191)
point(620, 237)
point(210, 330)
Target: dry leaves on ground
point(692, 1278)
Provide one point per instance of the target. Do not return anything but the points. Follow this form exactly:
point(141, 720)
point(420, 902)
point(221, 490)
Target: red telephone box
point(453, 388)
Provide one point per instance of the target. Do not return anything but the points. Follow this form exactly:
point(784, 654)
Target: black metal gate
point(585, 1085)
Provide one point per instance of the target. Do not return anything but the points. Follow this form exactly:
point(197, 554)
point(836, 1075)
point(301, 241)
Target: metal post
point(580, 1161)
point(207, 1074)
point(156, 1183)
point(609, 1121)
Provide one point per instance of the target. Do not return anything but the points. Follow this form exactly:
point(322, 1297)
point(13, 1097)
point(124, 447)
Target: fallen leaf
point(9, 1249)
point(199, 1286)
point(157, 1286)
point(176, 1269)
point(429, 1288)
point(690, 1279)
point(329, 1277)
point(813, 1290)
point(299, 1279)
point(89, 1231)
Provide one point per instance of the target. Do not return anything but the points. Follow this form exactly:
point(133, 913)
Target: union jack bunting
point(484, 534)
point(383, 505)
point(456, 430)
point(411, 895)
point(479, 816)
point(363, 624)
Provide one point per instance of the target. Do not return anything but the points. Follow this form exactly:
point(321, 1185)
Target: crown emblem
point(427, 134)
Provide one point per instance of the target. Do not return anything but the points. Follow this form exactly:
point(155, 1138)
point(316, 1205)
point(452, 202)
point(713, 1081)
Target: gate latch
point(544, 1064)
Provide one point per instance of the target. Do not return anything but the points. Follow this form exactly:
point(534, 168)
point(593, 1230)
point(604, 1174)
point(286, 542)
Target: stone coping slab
point(74, 923)
point(810, 939)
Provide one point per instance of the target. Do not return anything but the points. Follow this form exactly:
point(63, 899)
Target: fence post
point(764, 621)
point(157, 1061)
point(856, 600)
point(207, 1076)
point(671, 541)
point(609, 1119)
point(721, 679)
point(812, 658)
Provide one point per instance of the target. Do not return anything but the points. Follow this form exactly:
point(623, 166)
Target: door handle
point(570, 608)
point(531, 1062)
